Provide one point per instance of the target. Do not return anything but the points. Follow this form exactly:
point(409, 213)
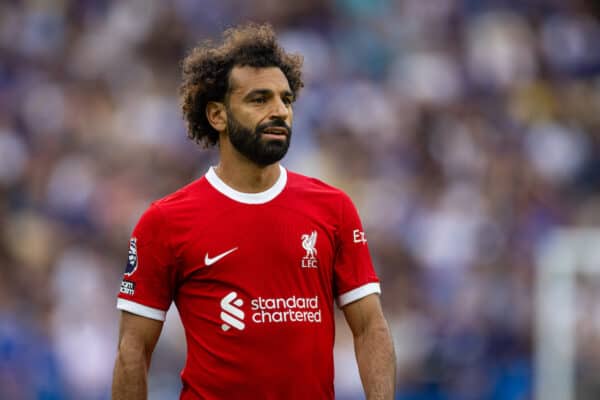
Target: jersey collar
point(247, 198)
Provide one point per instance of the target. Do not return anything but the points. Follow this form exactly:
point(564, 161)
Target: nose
point(280, 110)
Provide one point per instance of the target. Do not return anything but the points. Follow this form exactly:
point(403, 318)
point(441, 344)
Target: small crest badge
point(309, 243)
point(132, 261)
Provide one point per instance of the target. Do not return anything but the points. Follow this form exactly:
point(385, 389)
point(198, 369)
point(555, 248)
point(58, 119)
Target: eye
point(259, 100)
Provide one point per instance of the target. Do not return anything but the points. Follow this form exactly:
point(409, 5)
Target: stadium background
point(466, 131)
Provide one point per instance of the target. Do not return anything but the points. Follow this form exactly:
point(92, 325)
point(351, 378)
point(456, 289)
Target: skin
point(373, 347)
point(257, 95)
point(137, 339)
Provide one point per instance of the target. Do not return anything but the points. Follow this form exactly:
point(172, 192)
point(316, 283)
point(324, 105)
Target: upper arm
point(354, 275)
point(151, 275)
point(138, 335)
point(363, 314)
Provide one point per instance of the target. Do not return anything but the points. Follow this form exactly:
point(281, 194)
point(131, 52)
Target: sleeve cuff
point(141, 310)
point(358, 293)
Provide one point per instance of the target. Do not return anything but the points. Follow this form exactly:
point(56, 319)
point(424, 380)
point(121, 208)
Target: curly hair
point(207, 68)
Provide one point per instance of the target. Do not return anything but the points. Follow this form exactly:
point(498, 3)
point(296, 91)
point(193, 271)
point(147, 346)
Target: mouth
point(275, 131)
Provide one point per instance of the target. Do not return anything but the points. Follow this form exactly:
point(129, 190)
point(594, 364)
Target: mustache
point(277, 123)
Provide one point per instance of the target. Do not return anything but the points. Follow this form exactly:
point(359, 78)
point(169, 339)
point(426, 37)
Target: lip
point(273, 136)
point(275, 131)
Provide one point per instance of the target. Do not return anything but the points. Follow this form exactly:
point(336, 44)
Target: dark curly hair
point(206, 72)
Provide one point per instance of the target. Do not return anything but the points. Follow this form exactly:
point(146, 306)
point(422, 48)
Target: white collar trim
point(247, 198)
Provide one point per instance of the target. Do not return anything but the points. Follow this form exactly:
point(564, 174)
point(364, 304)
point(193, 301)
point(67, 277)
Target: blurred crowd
point(465, 131)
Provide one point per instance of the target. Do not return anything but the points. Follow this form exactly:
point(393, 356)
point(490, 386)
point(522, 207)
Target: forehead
point(245, 79)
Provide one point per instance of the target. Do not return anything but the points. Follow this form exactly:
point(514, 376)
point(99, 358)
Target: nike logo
point(210, 261)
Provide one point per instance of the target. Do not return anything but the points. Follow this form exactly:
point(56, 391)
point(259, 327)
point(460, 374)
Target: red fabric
point(286, 295)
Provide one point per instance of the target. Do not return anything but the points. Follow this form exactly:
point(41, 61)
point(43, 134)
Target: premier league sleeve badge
point(132, 261)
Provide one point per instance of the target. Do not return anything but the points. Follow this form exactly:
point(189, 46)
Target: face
point(259, 114)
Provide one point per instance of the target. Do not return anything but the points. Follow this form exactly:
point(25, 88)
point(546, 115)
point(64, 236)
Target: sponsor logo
point(286, 309)
point(358, 236)
point(132, 261)
point(127, 287)
point(308, 243)
point(210, 261)
point(231, 314)
point(269, 310)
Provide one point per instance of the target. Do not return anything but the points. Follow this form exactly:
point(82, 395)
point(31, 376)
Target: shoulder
point(313, 195)
point(188, 194)
point(308, 185)
point(176, 206)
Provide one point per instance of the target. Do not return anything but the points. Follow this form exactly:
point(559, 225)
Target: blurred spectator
point(465, 131)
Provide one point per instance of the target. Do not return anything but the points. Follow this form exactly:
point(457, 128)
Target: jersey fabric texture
point(254, 278)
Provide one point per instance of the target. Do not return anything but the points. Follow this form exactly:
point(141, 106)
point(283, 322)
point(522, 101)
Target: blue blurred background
point(466, 131)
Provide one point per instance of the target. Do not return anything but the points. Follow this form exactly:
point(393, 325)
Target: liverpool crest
point(308, 243)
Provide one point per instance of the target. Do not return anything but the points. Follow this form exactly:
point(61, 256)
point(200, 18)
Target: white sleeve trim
point(358, 293)
point(140, 309)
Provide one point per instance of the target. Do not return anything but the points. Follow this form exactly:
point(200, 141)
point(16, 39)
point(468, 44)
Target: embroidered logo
point(210, 261)
point(132, 261)
point(231, 313)
point(358, 236)
point(308, 243)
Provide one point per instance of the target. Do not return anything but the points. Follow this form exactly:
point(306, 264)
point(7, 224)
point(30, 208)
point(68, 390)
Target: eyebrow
point(266, 92)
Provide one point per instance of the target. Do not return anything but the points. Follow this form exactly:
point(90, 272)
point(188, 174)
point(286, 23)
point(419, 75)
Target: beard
point(252, 145)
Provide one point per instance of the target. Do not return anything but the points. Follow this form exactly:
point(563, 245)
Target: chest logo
point(308, 243)
point(211, 260)
point(231, 312)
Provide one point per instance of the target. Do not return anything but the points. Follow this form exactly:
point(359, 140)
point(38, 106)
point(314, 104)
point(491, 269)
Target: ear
point(216, 115)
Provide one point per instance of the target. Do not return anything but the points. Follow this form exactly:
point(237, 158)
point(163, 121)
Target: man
point(253, 256)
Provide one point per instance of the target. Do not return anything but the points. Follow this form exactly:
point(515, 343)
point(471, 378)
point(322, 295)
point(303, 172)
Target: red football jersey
point(254, 277)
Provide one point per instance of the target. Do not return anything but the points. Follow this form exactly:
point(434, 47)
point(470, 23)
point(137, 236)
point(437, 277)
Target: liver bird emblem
point(308, 243)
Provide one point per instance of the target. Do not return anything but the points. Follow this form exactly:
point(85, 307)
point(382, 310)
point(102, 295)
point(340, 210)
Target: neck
point(245, 176)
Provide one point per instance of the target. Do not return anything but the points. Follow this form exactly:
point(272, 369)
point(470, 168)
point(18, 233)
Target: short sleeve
point(149, 278)
point(354, 276)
